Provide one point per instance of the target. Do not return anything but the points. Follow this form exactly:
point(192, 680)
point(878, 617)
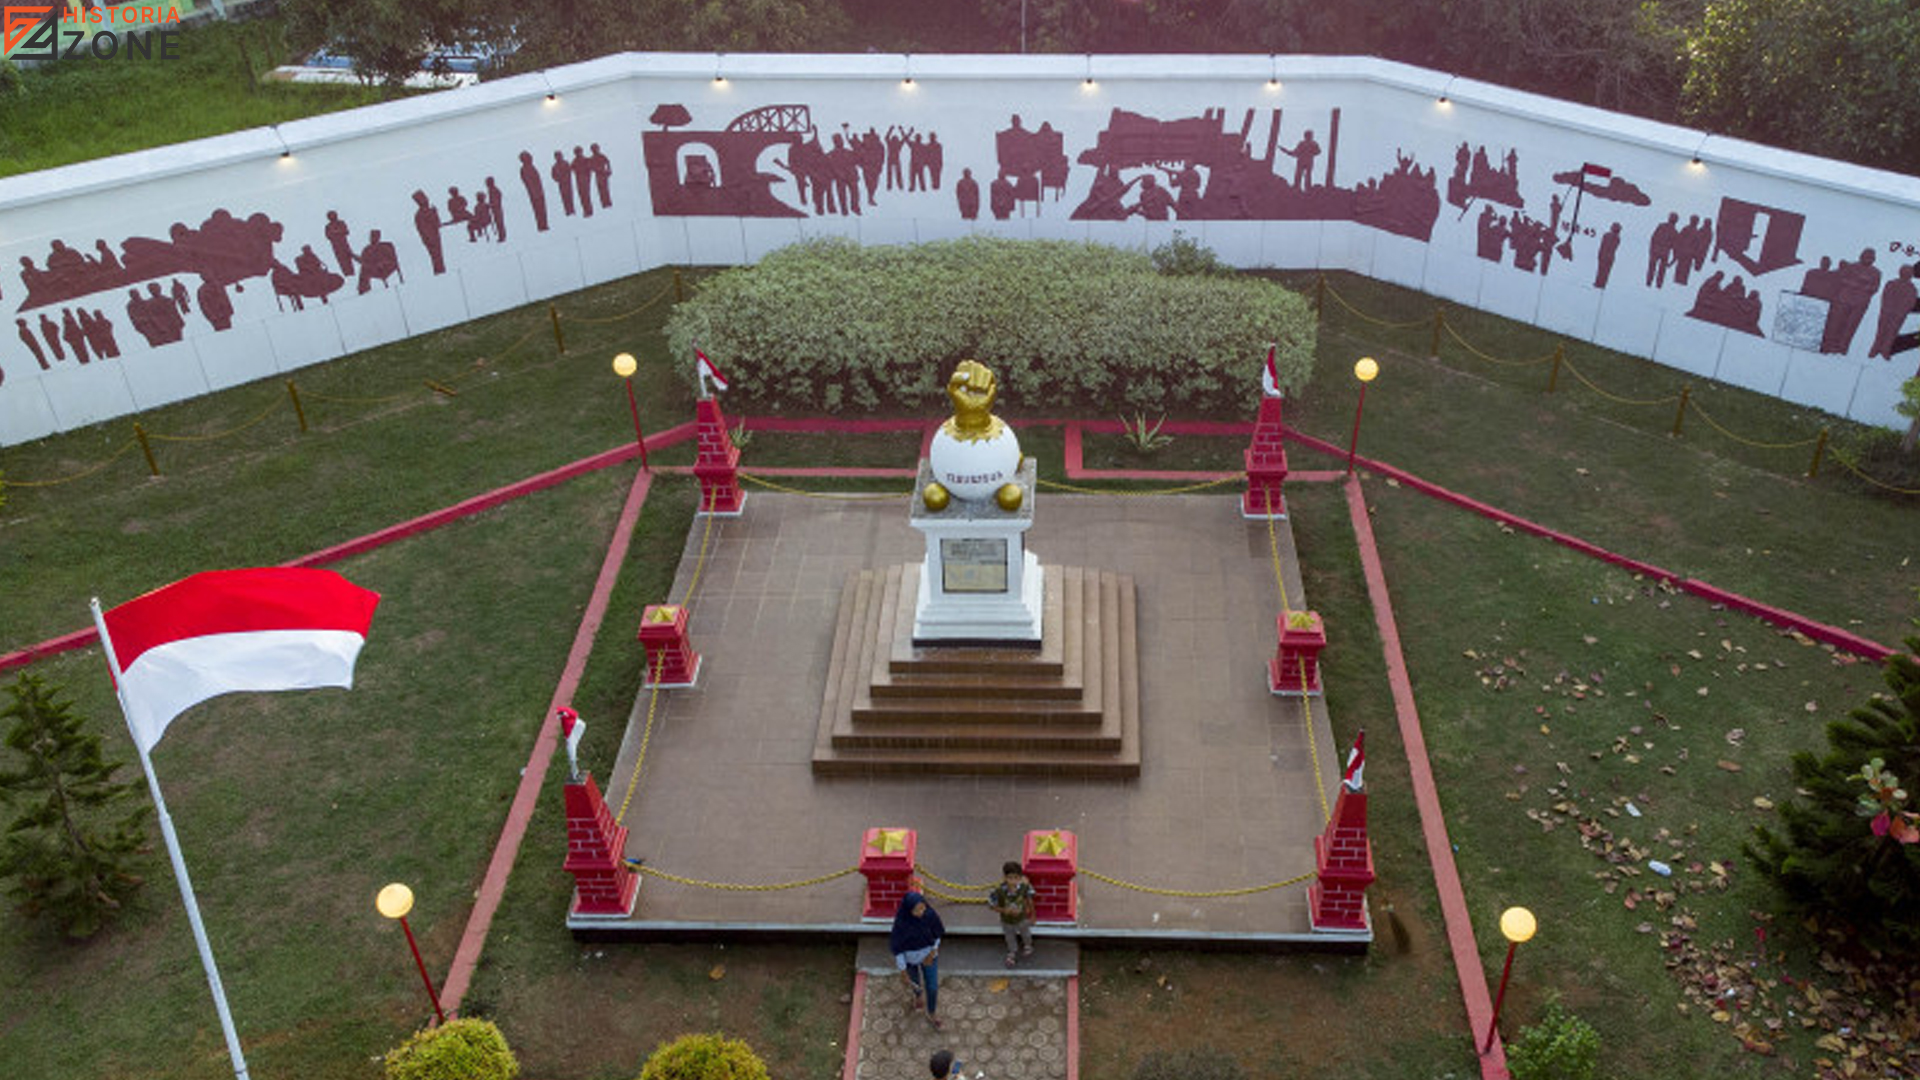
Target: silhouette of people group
point(1681, 249)
point(223, 248)
point(1530, 239)
point(583, 182)
point(87, 334)
point(160, 318)
point(1848, 290)
point(1030, 163)
point(1731, 305)
point(1405, 201)
point(1476, 177)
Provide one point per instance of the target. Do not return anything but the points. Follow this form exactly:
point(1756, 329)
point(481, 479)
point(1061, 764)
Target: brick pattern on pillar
point(717, 464)
point(1266, 459)
point(1343, 856)
point(671, 661)
point(596, 854)
point(1294, 670)
point(1051, 859)
point(887, 857)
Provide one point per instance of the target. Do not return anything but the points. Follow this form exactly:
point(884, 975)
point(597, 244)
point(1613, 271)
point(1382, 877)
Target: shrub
point(1831, 860)
point(1205, 1063)
point(704, 1057)
point(826, 325)
point(463, 1049)
point(1560, 1047)
point(1183, 256)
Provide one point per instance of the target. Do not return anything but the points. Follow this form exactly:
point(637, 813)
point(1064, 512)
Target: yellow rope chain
point(765, 483)
point(1567, 362)
point(1313, 746)
point(1488, 357)
point(938, 880)
point(604, 320)
point(277, 402)
point(950, 898)
point(1197, 894)
point(735, 886)
point(1342, 301)
point(1842, 459)
point(1715, 425)
point(71, 477)
point(1234, 479)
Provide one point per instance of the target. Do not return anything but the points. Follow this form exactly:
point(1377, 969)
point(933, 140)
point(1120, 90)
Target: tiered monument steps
point(1072, 706)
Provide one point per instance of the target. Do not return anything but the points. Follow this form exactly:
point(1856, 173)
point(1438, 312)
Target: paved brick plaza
point(1225, 797)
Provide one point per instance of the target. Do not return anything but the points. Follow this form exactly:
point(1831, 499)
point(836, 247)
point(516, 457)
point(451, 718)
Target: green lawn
point(295, 808)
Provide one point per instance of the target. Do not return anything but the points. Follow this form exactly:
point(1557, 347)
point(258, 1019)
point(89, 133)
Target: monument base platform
point(1071, 706)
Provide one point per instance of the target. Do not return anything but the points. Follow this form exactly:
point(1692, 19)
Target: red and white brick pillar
point(604, 886)
point(717, 466)
point(1266, 459)
point(886, 859)
point(1051, 860)
point(1294, 670)
point(671, 661)
point(1343, 857)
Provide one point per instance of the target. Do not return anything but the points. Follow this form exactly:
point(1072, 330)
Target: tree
point(1909, 406)
point(68, 855)
point(388, 40)
point(1833, 77)
point(1834, 860)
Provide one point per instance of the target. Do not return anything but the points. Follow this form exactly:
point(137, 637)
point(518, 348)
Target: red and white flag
point(276, 628)
point(1356, 764)
point(1270, 375)
point(707, 373)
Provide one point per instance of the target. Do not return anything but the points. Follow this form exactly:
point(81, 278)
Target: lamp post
point(394, 902)
point(1365, 369)
point(1517, 925)
point(624, 366)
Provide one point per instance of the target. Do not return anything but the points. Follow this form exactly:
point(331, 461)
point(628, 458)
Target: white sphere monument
point(979, 585)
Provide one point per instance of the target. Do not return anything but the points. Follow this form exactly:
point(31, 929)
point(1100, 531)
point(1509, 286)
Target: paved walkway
point(1005, 1025)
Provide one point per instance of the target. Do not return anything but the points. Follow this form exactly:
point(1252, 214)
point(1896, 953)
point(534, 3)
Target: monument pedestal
point(979, 585)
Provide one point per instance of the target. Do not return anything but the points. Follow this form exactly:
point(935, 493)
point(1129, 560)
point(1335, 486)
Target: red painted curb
point(851, 1069)
point(1426, 796)
point(493, 885)
point(1819, 631)
point(1073, 1027)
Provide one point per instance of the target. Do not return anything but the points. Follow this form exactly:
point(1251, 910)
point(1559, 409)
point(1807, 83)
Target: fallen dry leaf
point(719, 972)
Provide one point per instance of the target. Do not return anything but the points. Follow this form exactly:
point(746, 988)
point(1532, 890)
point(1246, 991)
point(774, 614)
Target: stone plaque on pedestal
point(980, 585)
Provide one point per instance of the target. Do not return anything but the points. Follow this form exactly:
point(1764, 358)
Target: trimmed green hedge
point(704, 1057)
point(461, 1049)
point(828, 325)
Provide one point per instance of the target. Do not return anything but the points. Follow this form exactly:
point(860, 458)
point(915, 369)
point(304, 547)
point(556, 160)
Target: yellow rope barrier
point(1342, 301)
point(1568, 364)
point(765, 483)
point(1488, 357)
point(1881, 484)
point(938, 880)
point(951, 898)
point(477, 368)
point(1234, 479)
point(1273, 546)
point(1715, 425)
point(81, 475)
point(1313, 746)
point(262, 415)
point(700, 563)
point(1197, 894)
point(311, 394)
point(605, 319)
point(734, 886)
point(646, 736)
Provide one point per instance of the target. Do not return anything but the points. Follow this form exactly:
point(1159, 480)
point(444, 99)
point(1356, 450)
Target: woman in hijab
point(915, 942)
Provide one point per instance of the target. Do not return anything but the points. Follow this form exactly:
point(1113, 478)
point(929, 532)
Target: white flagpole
point(173, 852)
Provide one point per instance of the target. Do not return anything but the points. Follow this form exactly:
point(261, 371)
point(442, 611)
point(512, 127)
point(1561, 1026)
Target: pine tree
point(68, 855)
point(1833, 861)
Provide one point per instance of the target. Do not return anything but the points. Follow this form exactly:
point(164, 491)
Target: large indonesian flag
point(227, 630)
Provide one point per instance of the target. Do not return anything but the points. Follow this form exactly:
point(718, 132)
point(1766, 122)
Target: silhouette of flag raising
point(226, 630)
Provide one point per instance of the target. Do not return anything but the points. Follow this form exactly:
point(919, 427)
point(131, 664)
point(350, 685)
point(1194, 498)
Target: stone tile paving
point(1005, 1028)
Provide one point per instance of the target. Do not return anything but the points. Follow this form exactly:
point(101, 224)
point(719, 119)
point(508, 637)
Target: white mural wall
point(144, 279)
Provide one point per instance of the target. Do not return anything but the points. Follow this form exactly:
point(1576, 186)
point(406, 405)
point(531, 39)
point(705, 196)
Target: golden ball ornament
point(935, 497)
point(1009, 497)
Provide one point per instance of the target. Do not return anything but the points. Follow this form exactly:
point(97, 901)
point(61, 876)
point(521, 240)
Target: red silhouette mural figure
point(536, 191)
point(378, 262)
point(336, 233)
point(426, 222)
point(582, 171)
point(966, 192)
point(76, 339)
point(1609, 247)
point(601, 167)
point(50, 332)
point(497, 214)
point(215, 306)
point(1898, 300)
point(1660, 250)
point(1731, 305)
point(562, 175)
point(32, 344)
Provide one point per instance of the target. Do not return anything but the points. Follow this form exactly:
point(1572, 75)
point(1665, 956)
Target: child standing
point(1012, 899)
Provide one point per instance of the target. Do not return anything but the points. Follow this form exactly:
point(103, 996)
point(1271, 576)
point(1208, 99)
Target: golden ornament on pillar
point(1009, 497)
point(1050, 844)
point(889, 841)
point(935, 496)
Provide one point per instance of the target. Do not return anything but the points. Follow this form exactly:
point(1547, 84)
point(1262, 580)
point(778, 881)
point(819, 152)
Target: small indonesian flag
point(1596, 172)
point(225, 630)
point(1270, 375)
point(707, 372)
point(1356, 764)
